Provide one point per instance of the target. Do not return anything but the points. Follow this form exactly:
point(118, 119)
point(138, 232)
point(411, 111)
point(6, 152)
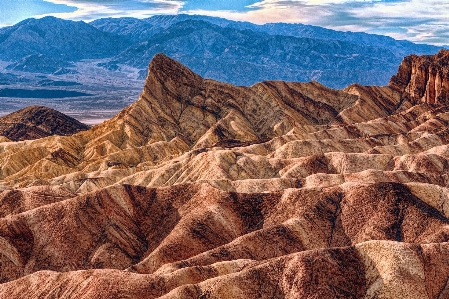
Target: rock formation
point(36, 122)
point(202, 189)
point(424, 79)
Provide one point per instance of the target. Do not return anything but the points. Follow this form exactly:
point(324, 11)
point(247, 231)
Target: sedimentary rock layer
point(202, 189)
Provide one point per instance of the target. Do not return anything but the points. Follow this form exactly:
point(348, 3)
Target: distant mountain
point(7, 79)
point(138, 29)
point(240, 53)
point(37, 122)
point(141, 29)
point(58, 39)
point(224, 50)
point(244, 57)
point(39, 63)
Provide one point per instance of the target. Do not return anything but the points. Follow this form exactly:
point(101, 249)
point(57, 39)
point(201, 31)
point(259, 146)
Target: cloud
point(89, 10)
point(217, 5)
point(415, 20)
point(418, 21)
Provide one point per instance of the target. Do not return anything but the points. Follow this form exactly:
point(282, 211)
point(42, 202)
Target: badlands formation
point(36, 122)
point(202, 189)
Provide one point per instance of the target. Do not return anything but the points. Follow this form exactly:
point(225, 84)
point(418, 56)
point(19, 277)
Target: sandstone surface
point(201, 189)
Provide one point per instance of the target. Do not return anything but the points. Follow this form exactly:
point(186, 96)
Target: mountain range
point(215, 48)
point(203, 189)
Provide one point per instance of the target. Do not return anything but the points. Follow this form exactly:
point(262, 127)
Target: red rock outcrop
point(424, 79)
point(201, 189)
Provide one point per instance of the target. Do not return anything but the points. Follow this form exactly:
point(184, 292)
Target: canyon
point(203, 189)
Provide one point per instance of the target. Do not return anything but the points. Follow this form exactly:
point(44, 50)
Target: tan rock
point(201, 189)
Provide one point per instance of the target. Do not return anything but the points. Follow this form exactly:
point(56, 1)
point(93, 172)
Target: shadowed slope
point(36, 122)
point(189, 234)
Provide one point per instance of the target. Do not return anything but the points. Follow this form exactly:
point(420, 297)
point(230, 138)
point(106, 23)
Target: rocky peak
point(178, 102)
point(172, 76)
point(424, 79)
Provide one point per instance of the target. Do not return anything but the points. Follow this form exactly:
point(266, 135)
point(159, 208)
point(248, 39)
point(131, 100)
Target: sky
point(419, 21)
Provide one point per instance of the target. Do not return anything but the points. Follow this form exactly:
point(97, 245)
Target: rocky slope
point(36, 122)
point(201, 189)
point(424, 79)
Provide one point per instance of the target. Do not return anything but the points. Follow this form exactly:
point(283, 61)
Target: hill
point(36, 122)
point(202, 189)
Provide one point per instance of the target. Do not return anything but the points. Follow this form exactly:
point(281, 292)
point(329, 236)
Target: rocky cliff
point(424, 79)
point(201, 189)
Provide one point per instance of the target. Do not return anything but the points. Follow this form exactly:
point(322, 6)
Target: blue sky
point(415, 20)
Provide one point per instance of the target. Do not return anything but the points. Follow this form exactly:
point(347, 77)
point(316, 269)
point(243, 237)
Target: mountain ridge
point(56, 38)
point(233, 52)
point(296, 29)
point(218, 49)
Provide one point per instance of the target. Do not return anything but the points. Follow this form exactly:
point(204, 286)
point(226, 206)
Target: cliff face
point(201, 189)
point(424, 79)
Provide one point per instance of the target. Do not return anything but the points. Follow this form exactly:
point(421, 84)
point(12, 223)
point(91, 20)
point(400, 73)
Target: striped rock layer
point(201, 189)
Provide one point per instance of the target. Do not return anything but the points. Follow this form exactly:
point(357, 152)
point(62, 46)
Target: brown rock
point(36, 122)
point(424, 78)
point(202, 189)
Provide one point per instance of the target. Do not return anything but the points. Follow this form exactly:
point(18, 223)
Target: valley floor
point(108, 92)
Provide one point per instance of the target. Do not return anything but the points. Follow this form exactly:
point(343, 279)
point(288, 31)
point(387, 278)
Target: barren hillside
point(201, 189)
point(36, 122)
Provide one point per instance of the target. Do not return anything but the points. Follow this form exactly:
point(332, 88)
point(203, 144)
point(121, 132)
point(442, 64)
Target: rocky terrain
point(202, 189)
point(36, 122)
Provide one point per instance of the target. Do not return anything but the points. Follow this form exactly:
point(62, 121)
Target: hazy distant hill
point(141, 29)
point(39, 63)
point(138, 29)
